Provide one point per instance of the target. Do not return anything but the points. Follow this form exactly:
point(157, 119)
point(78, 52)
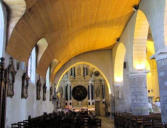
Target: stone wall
point(18, 109)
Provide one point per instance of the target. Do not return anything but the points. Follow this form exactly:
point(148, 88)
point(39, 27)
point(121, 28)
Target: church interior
point(83, 63)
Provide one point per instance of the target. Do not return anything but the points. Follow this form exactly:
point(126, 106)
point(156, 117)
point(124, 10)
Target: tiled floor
point(107, 122)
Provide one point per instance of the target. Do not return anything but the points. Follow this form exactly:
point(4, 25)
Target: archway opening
point(82, 86)
point(119, 63)
point(143, 50)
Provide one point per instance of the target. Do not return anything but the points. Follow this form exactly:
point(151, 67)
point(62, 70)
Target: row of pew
point(127, 120)
point(60, 120)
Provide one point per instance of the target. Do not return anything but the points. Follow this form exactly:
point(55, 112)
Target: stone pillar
point(118, 97)
point(69, 93)
point(161, 58)
point(91, 83)
point(89, 87)
point(138, 89)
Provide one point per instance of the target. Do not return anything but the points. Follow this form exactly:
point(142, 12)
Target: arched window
point(48, 78)
point(2, 29)
point(32, 66)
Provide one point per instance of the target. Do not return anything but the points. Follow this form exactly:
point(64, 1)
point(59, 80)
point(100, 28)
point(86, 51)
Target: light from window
point(32, 66)
point(2, 30)
point(48, 78)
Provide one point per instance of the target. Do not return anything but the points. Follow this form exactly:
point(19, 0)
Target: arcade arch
point(84, 63)
point(92, 89)
point(119, 57)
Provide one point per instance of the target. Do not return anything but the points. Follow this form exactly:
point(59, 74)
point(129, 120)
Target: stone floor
point(107, 122)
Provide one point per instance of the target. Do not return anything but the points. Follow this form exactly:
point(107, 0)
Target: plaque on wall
point(25, 84)
point(10, 78)
point(79, 93)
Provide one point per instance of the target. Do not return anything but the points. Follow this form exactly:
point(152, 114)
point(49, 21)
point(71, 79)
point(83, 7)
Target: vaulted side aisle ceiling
point(71, 27)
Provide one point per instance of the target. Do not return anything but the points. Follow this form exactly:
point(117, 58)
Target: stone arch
point(155, 11)
point(86, 63)
point(119, 57)
point(143, 50)
point(18, 9)
point(42, 44)
point(139, 41)
point(101, 59)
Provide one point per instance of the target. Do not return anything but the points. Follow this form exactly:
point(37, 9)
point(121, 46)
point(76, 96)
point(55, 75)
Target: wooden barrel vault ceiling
point(71, 27)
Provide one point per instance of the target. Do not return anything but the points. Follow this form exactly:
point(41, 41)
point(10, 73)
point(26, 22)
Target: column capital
point(91, 81)
point(68, 82)
point(118, 84)
point(138, 73)
point(160, 54)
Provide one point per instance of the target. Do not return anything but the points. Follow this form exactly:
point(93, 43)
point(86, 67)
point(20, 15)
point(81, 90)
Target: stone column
point(89, 88)
point(138, 89)
point(69, 92)
point(161, 58)
point(118, 97)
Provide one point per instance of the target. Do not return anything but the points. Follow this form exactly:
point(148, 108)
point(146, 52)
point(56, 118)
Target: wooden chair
point(14, 125)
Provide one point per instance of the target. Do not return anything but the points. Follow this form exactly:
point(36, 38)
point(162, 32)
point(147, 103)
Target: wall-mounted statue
point(2, 94)
point(44, 91)
point(61, 91)
point(18, 65)
point(51, 93)
point(10, 78)
point(25, 84)
point(98, 91)
point(38, 89)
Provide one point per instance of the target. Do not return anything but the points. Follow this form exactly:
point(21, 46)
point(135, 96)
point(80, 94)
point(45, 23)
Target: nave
point(106, 57)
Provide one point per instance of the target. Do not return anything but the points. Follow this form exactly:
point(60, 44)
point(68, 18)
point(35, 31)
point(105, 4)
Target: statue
point(10, 78)
point(38, 89)
point(25, 84)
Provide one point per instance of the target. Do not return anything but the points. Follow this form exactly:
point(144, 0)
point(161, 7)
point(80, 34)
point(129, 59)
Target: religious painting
point(25, 84)
point(10, 78)
point(79, 93)
point(38, 90)
point(44, 91)
point(51, 93)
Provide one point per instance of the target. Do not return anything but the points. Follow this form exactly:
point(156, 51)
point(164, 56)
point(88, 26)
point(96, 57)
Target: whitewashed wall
point(19, 109)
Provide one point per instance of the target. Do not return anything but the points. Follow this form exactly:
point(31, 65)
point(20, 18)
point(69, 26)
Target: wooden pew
point(54, 120)
point(125, 120)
